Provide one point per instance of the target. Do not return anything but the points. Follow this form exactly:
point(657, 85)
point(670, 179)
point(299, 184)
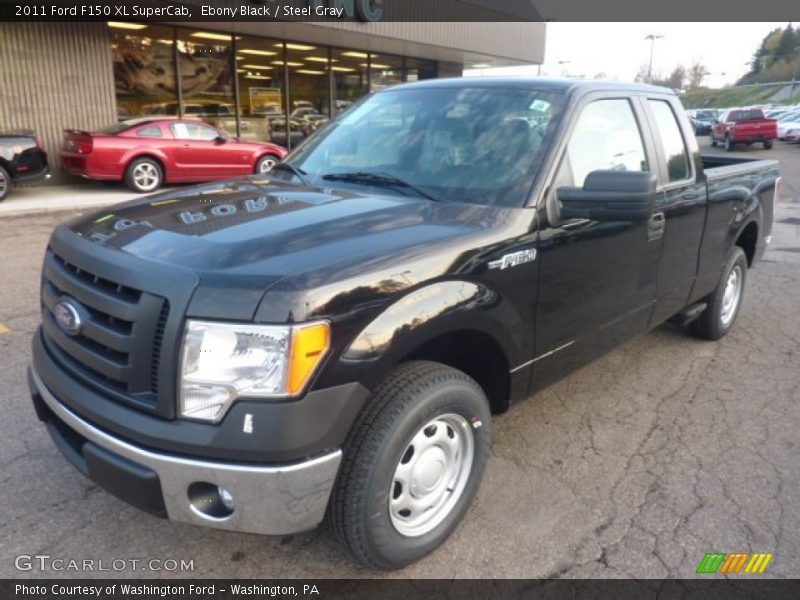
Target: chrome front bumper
point(272, 500)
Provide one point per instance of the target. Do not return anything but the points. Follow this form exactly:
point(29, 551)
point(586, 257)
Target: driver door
point(201, 155)
point(597, 278)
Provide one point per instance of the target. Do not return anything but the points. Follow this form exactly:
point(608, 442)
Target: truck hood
point(264, 231)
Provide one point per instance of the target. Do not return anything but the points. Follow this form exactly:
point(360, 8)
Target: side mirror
point(220, 139)
point(610, 196)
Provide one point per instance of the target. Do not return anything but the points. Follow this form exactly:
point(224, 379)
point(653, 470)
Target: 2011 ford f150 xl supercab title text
point(334, 336)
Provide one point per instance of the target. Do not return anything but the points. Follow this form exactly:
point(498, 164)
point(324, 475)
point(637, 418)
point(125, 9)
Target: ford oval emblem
point(68, 316)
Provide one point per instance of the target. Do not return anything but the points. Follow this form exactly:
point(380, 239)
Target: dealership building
point(272, 81)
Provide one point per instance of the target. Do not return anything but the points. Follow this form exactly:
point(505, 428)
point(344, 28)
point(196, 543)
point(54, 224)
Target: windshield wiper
point(379, 179)
point(289, 168)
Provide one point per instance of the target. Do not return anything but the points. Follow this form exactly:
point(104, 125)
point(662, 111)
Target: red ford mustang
point(148, 152)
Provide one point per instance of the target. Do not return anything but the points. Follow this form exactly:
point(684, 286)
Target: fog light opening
point(211, 501)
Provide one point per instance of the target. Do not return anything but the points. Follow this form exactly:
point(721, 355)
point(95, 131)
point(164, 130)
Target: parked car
point(309, 115)
point(22, 160)
point(793, 135)
point(703, 120)
point(744, 125)
point(252, 355)
point(145, 153)
point(787, 122)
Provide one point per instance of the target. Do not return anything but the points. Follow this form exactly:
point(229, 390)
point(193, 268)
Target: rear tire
point(713, 141)
point(5, 184)
point(144, 175)
point(729, 144)
point(768, 145)
point(725, 301)
point(413, 463)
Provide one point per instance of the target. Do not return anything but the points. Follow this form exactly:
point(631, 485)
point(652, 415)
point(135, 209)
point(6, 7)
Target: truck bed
point(715, 165)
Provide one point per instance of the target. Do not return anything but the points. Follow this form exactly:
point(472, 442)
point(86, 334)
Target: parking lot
point(635, 466)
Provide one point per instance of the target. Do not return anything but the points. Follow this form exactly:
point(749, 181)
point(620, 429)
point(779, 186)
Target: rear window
point(114, 129)
point(746, 115)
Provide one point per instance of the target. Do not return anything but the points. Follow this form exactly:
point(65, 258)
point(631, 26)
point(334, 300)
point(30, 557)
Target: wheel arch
point(152, 156)
point(747, 240)
point(457, 323)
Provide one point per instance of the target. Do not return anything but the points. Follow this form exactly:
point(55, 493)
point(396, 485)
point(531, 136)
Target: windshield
point(476, 145)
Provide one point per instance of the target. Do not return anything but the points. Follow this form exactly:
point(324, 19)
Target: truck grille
point(117, 349)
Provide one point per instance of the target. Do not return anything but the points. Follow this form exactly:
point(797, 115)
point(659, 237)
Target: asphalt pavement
point(635, 466)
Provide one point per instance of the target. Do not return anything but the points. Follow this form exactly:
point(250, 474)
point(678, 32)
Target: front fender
point(429, 312)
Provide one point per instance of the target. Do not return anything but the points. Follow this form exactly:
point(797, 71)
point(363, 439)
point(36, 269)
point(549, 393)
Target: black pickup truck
point(22, 160)
point(332, 338)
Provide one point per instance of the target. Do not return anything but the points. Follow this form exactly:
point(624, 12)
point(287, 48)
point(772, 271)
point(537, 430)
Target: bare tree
point(696, 74)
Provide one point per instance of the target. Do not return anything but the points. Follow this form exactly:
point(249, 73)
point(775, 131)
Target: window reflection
point(206, 76)
point(384, 71)
point(308, 89)
point(350, 78)
point(262, 95)
point(144, 69)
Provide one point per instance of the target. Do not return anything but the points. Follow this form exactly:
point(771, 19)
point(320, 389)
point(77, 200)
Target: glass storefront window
point(418, 69)
point(350, 78)
point(384, 71)
point(206, 77)
point(262, 96)
point(309, 92)
point(144, 68)
point(211, 65)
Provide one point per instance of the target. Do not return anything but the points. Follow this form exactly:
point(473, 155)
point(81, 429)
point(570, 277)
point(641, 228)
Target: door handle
point(656, 226)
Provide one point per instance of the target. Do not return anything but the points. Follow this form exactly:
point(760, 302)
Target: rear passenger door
point(680, 205)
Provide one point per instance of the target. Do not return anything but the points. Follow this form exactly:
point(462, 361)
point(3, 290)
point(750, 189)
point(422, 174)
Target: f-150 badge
point(513, 259)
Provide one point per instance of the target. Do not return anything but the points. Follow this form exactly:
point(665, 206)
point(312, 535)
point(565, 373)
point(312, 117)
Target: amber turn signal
point(309, 345)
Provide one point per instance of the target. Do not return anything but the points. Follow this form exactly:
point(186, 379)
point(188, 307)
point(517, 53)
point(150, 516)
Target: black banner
point(368, 11)
point(402, 589)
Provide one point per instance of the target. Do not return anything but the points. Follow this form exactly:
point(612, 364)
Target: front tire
point(144, 175)
point(768, 145)
point(724, 303)
point(728, 144)
point(266, 162)
point(412, 465)
point(5, 184)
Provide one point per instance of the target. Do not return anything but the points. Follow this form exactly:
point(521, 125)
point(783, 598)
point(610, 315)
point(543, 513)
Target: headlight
point(221, 362)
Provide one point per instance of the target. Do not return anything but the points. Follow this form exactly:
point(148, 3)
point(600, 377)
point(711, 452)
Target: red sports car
point(145, 153)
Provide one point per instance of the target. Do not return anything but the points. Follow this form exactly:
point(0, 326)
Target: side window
point(605, 137)
point(671, 140)
point(193, 131)
point(151, 131)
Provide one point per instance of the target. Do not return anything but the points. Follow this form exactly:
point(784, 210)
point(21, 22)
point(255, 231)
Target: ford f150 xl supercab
point(333, 337)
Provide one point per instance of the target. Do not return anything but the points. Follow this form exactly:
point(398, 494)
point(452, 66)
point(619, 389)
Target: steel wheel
point(731, 296)
point(146, 176)
point(431, 475)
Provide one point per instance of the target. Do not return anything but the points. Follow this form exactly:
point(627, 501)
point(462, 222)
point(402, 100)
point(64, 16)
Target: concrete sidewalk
point(39, 199)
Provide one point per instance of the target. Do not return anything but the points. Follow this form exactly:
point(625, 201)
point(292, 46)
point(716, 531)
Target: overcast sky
point(619, 49)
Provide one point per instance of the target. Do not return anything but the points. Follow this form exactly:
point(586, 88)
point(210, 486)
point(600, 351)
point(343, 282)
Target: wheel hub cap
point(731, 296)
point(431, 475)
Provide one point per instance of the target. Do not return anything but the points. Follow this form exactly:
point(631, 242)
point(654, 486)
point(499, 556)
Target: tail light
point(85, 146)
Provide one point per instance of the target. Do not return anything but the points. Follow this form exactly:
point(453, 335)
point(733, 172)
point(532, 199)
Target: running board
point(690, 313)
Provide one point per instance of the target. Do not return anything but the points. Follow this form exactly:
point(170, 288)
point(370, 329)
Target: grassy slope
point(735, 96)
